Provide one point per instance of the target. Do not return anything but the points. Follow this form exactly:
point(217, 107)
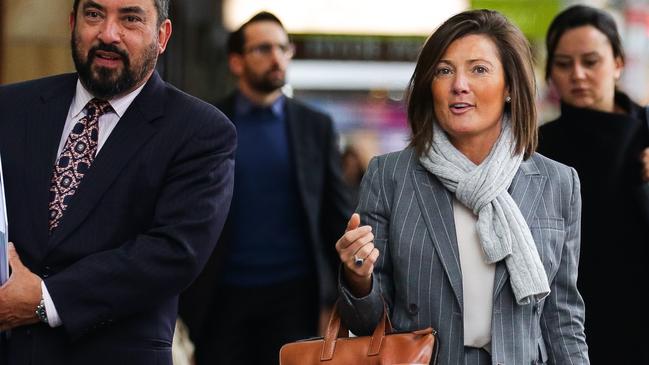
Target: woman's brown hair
point(516, 58)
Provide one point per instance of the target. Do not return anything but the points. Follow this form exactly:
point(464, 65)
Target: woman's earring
point(508, 99)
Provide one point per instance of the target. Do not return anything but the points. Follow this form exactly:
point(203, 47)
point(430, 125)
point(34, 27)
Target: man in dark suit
point(279, 264)
point(118, 186)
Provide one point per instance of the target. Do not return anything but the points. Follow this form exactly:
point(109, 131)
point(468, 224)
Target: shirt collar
point(119, 104)
point(244, 106)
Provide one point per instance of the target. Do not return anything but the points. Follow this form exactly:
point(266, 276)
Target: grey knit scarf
point(502, 230)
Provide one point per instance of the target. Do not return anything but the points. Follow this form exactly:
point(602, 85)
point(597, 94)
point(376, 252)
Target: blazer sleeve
point(361, 315)
point(562, 319)
point(156, 265)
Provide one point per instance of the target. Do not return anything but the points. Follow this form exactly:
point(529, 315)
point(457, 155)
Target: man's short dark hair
point(236, 40)
point(161, 6)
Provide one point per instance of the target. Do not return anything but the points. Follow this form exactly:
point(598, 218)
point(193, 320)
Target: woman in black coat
point(603, 134)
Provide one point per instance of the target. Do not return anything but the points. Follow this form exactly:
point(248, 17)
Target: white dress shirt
point(107, 123)
point(477, 279)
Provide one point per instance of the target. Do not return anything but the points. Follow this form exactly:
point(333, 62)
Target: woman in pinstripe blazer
point(468, 230)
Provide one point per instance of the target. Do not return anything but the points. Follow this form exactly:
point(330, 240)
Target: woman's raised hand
point(358, 255)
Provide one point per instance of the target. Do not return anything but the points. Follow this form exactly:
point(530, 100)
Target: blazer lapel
point(132, 131)
point(435, 201)
point(44, 127)
point(525, 189)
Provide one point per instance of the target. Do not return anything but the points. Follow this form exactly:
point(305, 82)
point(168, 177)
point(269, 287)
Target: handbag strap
point(335, 330)
point(379, 333)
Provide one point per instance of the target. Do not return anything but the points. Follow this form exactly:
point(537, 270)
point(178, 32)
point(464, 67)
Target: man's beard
point(105, 83)
point(264, 83)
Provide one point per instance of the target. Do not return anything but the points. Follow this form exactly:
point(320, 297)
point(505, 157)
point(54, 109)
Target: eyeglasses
point(286, 50)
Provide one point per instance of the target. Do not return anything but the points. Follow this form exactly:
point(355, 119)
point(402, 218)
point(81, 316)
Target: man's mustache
point(274, 68)
point(107, 48)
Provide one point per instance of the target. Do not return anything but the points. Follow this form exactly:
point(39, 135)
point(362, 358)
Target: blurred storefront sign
point(353, 47)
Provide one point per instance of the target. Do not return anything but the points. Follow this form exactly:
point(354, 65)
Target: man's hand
point(20, 295)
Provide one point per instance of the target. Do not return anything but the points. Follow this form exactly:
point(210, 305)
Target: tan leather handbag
point(384, 347)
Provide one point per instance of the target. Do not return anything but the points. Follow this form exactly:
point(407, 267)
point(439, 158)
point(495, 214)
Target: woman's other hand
point(358, 255)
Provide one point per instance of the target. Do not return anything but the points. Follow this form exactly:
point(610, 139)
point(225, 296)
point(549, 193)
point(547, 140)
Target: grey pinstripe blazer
point(418, 271)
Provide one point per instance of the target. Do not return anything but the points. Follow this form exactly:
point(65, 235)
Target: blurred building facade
point(35, 39)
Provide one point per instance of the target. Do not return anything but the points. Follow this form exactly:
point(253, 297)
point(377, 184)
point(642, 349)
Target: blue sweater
point(269, 237)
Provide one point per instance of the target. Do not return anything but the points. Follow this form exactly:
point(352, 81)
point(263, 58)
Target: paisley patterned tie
point(75, 159)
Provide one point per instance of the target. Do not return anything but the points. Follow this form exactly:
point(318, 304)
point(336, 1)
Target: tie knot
point(97, 107)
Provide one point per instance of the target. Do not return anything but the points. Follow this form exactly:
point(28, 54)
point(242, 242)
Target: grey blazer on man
point(418, 272)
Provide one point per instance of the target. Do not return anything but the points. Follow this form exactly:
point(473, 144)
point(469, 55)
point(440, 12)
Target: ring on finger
point(358, 262)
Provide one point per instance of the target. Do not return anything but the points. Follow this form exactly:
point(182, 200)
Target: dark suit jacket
point(604, 148)
point(138, 230)
point(325, 199)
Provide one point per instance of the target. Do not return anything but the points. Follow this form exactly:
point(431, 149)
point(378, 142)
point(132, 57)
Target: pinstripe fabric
point(418, 272)
point(476, 356)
